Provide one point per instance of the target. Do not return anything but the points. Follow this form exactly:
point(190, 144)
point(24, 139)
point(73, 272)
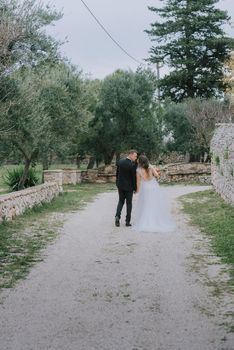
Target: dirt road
point(105, 288)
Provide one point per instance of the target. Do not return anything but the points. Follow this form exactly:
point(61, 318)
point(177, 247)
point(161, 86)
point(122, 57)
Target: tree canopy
point(125, 115)
point(189, 38)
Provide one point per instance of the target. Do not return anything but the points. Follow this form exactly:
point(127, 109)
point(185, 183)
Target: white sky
point(91, 49)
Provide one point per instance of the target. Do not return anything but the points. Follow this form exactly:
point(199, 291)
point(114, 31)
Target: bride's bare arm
point(138, 183)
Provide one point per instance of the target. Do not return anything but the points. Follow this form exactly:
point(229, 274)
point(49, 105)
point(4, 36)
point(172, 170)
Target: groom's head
point(132, 154)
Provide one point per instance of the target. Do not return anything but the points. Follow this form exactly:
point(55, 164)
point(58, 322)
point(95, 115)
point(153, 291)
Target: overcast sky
point(88, 45)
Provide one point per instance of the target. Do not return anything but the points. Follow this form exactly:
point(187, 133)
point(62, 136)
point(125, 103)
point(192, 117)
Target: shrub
point(217, 160)
point(13, 176)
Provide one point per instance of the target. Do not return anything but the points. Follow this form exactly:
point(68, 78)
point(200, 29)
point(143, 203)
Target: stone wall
point(169, 173)
point(54, 176)
point(222, 168)
point(179, 172)
point(71, 176)
point(16, 203)
point(172, 157)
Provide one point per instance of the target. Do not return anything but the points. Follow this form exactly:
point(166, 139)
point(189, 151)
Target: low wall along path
point(16, 203)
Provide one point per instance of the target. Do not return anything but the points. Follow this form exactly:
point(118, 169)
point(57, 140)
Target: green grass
point(216, 218)
point(22, 240)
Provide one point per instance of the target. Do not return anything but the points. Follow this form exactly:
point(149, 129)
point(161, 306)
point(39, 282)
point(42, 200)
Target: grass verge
point(22, 240)
point(216, 218)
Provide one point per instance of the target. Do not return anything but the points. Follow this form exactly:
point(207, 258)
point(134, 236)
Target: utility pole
point(158, 67)
point(158, 77)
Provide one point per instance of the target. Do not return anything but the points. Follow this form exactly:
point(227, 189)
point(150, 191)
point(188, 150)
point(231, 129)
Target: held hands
point(156, 172)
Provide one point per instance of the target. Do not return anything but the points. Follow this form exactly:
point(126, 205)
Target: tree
point(190, 40)
point(125, 116)
point(25, 118)
point(229, 80)
point(23, 46)
point(22, 37)
point(178, 129)
point(190, 125)
point(203, 115)
point(68, 100)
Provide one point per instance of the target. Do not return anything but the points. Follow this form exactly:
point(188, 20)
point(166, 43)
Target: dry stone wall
point(222, 166)
point(169, 173)
point(180, 172)
point(16, 203)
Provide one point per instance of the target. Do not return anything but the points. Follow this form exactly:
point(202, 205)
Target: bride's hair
point(143, 162)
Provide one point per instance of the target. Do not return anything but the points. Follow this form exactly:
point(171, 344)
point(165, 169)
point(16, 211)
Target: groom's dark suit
point(126, 183)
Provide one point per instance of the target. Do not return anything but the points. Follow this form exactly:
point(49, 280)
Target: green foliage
point(126, 116)
point(226, 154)
point(22, 38)
point(13, 177)
point(203, 115)
point(179, 129)
point(190, 124)
point(189, 38)
point(49, 109)
point(69, 101)
point(25, 47)
point(217, 160)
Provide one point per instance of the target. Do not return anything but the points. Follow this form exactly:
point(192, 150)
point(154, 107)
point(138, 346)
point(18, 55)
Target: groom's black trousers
point(122, 196)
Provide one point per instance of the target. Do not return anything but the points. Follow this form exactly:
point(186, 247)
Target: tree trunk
point(108, 158)
point(91, 162)
point(78, 161)
point(45, 163)
point(187, 157)
point(117, 157)
point(25, 174)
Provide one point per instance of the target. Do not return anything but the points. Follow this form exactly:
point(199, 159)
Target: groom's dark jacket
point(126, 175)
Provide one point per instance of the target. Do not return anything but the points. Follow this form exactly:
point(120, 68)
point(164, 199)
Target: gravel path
point(105, 288)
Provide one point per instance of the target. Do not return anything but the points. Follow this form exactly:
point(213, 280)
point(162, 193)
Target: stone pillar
point(69, 176)
point(54, 176)
point(78, 176)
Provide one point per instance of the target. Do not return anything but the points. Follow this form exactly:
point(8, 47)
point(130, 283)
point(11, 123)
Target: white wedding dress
point(152, 213)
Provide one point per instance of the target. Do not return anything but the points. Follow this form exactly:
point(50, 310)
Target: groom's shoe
point(117, 224)
point(128, 224)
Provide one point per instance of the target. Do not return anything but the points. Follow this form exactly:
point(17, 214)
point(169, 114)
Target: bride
point(152, 214)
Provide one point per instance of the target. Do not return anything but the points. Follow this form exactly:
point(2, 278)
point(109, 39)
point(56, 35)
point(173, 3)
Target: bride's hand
point(158, 172)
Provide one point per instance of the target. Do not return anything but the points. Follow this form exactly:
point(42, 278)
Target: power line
point(110, 36)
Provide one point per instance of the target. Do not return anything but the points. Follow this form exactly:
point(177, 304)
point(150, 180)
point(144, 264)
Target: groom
point(126, 183)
